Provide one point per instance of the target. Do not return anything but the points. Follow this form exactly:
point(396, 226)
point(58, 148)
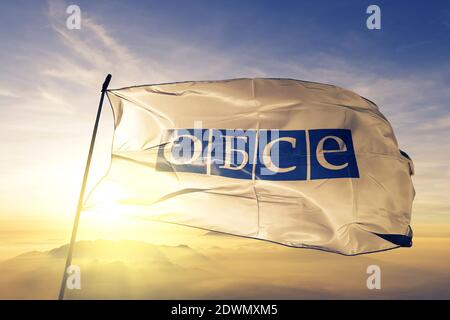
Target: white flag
point(293, 162)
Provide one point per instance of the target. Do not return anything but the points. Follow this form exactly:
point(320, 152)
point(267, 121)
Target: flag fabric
point(293, 162)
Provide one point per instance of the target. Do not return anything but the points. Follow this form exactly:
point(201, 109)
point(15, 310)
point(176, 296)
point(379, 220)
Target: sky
point(50, 80)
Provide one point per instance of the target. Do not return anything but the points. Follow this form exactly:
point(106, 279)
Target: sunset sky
point(50, 78)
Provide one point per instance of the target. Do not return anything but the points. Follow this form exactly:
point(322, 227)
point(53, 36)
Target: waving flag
point(297, 163)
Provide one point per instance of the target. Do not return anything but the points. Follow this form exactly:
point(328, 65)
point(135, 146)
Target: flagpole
point(83, 189)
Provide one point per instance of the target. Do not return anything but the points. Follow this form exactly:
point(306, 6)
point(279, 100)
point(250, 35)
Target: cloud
point(439, 123)
point(86, 53)
point(137, 270)
point(8, 93)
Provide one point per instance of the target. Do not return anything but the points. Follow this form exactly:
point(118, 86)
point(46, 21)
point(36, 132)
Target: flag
point(298, 163)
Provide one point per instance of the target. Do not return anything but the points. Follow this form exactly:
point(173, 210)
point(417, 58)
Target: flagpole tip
point(106, 83)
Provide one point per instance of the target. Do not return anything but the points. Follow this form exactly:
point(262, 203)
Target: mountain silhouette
point(129, 269)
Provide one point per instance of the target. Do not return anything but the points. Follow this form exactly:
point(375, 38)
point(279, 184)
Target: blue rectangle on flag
point(260, 154)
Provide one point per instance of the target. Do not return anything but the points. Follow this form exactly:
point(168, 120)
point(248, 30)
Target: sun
point(107, 212)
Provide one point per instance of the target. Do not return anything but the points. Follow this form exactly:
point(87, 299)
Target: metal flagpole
point(83, 189)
